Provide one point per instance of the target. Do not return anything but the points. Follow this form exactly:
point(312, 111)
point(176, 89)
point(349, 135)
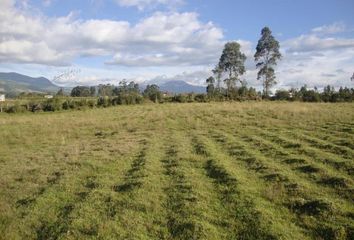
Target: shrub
point(82, 104)
point(52, 105)
point(106, 102)
point(201, 98)
point(282, 95)
point(35, 107)
point(17, 108)
point(91, 103)
point(68, 104)
point(179, 98)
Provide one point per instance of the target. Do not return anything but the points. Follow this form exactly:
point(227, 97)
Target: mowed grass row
point(179, 171)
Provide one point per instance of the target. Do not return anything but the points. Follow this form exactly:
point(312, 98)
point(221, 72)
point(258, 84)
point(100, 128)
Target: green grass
point(179, 171)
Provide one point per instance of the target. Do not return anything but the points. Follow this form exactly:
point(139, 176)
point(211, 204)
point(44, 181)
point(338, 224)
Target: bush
point(82, 104)
point(283, 95)
point(17, 108)
point(68, 104)
point(311, 96)
point(106, 102)
point(91, 103)
point(35, 107)
point(179, 98)
point(201, 98)
point(52, 105)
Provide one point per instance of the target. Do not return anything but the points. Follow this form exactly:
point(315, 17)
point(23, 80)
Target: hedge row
point(59, 103)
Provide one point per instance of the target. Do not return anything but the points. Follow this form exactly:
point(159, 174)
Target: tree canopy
point(232, 62)
point(266, 56)
point(153, 92)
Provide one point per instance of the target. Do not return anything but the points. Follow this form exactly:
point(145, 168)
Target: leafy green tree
point(232, 61)
point(327, 93)
point(266, 56)
point(307, 95)
point(210, 86)
point(282, 94)
point(133, 87)
point(105, 90)
point(127, 93)
point(345, 94)
point(153, 93)
point(80, 91)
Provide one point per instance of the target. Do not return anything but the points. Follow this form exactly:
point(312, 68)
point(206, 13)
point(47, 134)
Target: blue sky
point(160, 40)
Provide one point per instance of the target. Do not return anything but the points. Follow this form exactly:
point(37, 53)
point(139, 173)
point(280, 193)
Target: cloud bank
point(164, 38)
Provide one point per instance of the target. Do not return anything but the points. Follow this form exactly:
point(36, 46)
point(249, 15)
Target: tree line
point(329, 94)
point(153, 94)
point(226, 82)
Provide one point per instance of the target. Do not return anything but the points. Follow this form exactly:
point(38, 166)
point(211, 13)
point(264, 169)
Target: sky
point(78, 42)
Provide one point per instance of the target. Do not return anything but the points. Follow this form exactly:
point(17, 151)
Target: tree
point(153, 93)
point(232, 61)
point(210, 86)
point(352, 78)
point(80, 91)
point(282, 94)
point(327, 93)
point(133, 87)
point(266, 56)
point(345, 94)
point(127, 93)
point(92, 91)
point(105, 90)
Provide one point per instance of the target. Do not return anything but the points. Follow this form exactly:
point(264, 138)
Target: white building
point(2, 97)
point(48, 96)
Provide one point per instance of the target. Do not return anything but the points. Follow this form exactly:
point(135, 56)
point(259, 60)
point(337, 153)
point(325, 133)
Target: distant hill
point(16, 83)
point(181, 87)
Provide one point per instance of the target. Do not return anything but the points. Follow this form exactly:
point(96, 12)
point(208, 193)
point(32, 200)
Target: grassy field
point(179, 171)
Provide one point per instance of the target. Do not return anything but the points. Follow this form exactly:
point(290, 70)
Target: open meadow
point(254, 170)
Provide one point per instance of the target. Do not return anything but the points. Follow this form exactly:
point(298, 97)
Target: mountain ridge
point(12, 82)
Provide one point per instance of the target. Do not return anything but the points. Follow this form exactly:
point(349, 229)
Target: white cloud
point(316, 61)
point(160, 39)
point(171, 39)
point(313, 43)
point(330, 29)
point(149, 4)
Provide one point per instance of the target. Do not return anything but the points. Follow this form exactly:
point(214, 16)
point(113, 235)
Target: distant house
point(2, 97)
point(48, 96)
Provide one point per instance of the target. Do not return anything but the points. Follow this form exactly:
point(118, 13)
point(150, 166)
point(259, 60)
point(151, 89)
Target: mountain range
point(16, 83)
